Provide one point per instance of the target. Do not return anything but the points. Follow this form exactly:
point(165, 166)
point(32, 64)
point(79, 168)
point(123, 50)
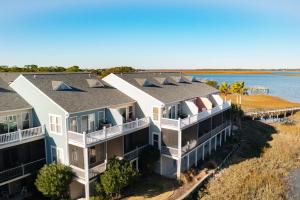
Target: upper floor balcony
point(88, 139)
point(181, 123)
point(21, 136)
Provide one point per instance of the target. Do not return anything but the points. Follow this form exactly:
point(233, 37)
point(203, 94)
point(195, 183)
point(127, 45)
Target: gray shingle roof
point(168, 93)
point(82, 97)
point(9, 99)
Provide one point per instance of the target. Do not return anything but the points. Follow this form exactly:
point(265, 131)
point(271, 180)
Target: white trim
point(23, 77)
point(59, 149)
point(59, 119)
point(16, 110)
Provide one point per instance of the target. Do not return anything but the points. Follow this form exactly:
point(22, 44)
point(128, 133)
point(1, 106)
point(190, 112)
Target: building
point(85, 120)
point(21, 135)
point(189, 118)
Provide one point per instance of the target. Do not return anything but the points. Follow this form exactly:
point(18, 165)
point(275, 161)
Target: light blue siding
point(43, 106)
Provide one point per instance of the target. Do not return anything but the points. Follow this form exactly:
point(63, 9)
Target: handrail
point(107, 133)
point(21, 135)
point(181, 123)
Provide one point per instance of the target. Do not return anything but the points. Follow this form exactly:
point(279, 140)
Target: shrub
point(53, 181)
point(119, 174)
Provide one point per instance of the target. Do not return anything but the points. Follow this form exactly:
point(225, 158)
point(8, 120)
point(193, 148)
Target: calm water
point(287, 87)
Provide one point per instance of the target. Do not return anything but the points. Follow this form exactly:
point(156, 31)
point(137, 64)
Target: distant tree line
point(36, 68)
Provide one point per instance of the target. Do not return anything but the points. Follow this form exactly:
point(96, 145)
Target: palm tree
point(235, 88)
point(225, 89)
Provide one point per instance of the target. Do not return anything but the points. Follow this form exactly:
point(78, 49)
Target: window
point(101, 118)
point(57, 154)
point(73, 124)
point(8, 124)
point(130, 113)
point(55, 124)
point(155, 113)
point(91, 122)
point(92, 155)
point(26, 120)
point(172, 112)
point(74, 155)
point(155, 140)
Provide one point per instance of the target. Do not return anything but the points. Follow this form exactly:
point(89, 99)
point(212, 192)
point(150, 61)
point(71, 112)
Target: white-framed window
point(91, 119)
point(172, 112)
point(55, 123)
point(155, 113)
point(73, 124)
point(8, 124)
point(57, 154)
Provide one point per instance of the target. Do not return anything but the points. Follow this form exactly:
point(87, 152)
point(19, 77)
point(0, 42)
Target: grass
point(262, 102)
point(154, 187)
point(259, 170)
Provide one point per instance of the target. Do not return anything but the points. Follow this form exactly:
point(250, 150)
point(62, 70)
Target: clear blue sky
point(151, 34)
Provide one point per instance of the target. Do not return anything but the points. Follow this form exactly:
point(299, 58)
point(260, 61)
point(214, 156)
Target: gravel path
point(294, 183)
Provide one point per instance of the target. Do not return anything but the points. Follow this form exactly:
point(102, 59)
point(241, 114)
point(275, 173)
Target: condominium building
point(82, 121)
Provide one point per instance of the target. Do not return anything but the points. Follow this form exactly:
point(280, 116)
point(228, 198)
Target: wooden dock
point(276, 113)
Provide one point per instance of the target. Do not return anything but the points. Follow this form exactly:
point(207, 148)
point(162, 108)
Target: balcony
point(178, 124)
point(21, 170)
point(171, 151)
point(21, 136)
point(89, 139)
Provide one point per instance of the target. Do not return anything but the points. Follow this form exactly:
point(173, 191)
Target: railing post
point(43, 129)
point(23, 171)
point(20, 134)
point(137, 122)
point(179, 123)
point(189, 116)
point(84, 138)
point(105, 132)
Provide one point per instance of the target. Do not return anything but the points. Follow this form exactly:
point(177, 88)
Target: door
point(84, 123)
point(156, 140)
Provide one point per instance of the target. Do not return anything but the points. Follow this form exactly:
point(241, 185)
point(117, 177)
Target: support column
point(209, 146)
point(178, 168)
point(216, 140)
point(203, 151)
point(188, 161)
point(221, 139)
point(225, 134)
point(86, 172)
point(196, 152)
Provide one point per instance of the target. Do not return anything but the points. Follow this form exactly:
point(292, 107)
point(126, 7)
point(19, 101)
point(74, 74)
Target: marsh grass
point(260, 169)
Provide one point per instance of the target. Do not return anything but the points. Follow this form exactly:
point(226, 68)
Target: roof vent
point(145, 82)
point(165, 80)
point(60, 86)
point(94, 83)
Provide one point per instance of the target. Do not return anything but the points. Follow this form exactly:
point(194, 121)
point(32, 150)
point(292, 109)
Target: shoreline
point(231, 71)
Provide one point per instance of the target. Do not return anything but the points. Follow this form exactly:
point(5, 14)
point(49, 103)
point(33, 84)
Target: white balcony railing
point(181, 123)
point(171, 151)
point(21, 135)
point(84, 139)
point(21, 170)
point(134, 153)
point(98, 169)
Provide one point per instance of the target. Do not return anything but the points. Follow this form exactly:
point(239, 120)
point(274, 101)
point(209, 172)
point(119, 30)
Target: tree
point(148, 158)
point(123, 69)
point(53, 181)
point(239, 89)
point(224, 89)
point(119, 174)
point(212, 83)
point(73, 69)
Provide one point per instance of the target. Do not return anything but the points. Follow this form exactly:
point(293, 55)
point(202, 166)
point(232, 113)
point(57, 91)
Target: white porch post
point(86, 170)
point(179, 149)
point(188, 161)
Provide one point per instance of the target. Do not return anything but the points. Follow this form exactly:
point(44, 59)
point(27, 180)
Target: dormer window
point(145, 82)
point(94, 83)
point(60, 86)
point(180, 79)
point(164, 80)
